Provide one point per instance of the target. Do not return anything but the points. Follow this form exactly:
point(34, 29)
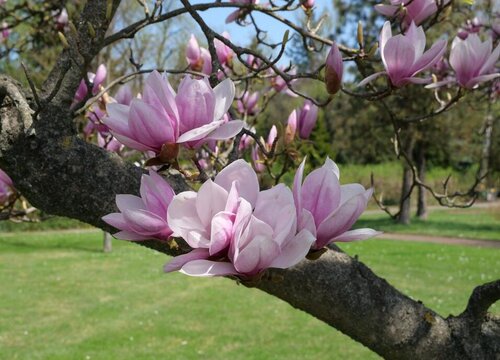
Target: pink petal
point(179, 261)
point(294, 250)
point(131, 236)
point(227, 130)
point(430, 57)
point(116, 220)
point(224, 96)
point(221, 232)
point(126, 202)
point(208, 268)
point(242, 172)
point(356, 235)
point(210, 200)
point(321, 193)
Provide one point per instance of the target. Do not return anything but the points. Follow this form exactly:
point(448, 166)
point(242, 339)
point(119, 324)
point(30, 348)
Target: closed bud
point(334, 70)
point(63, 39)
point(361, 40)
point(291, 127)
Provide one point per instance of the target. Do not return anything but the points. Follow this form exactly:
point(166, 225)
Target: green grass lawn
point(61, 298)
point(473, 223)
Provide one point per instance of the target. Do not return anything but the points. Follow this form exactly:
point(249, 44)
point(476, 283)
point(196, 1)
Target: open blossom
point(409, 11)
point(234, 228)
point(193, 116)
point(327, 209)
point(96, 81)
point(6, 187)
point(473, 60)
point(198, 57)
point(403, 56)
point(334, 70)
point(144, 217)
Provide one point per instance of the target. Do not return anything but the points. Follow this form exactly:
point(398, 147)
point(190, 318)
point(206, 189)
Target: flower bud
point(334, 70)
point(291, 127)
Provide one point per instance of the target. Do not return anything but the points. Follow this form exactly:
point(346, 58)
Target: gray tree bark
point(40, 150)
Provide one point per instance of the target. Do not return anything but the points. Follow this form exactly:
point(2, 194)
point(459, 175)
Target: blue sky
point(242, 36)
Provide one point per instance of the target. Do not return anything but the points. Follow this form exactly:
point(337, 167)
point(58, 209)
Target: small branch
point(481, 299)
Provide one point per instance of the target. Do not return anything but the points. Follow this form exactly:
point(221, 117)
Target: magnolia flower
point(308, 4)
point(307, 116)
point(409, 11)
point(247, 104)
point(109, 143)
point(4, 31)
point(271, 137)
point(240, 14)
point(327, 209)
point(145, 217)
point(291, 127)
point(193, 116)
point(124, 95)
point(404, 57)
point(280, 85)
point(198, 57)
point(224, 53)
point(246, 141)
point(6, 187)
point(473, 60)
point(234, 229)
point(95, 81)
point(334, 69)
point(61, 18)
point(257, 161)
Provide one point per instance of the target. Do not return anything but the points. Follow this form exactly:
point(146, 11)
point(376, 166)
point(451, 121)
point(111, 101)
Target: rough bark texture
point(63, 175)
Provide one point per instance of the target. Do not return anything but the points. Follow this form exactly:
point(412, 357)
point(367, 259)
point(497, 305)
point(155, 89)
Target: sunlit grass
point(473, 223)
point(62, 298)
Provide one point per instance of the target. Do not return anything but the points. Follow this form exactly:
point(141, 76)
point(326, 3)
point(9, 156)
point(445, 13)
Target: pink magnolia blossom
point(271, 137)
point(234, 228)
point(307, 116)
point(247, 104)
point(4, 32)
point(224, 53)
point(246, 141)
point(61, 18)
point(404, 57)
point(291, 127)
point(257, 161)
point(124, 95)
point(408, 11)
point(144, 217)
point(334, 70)
point(308, 4)
point(193, 116)
point(279, 84)
point(96, 81)
point(240, 14)
point(327, 209)
point(198, 57)
point(109, 143)
point(6, 187)
point(473, 60)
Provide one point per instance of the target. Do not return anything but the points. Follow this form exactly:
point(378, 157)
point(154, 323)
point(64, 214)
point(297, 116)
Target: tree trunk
point(422, 193)
point(406, 188)
point(107, 244)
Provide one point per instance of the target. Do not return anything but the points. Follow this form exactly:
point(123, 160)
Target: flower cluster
point(193, 116)
point(236, 229)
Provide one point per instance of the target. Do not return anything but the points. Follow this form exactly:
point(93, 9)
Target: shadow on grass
point(42, 245)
